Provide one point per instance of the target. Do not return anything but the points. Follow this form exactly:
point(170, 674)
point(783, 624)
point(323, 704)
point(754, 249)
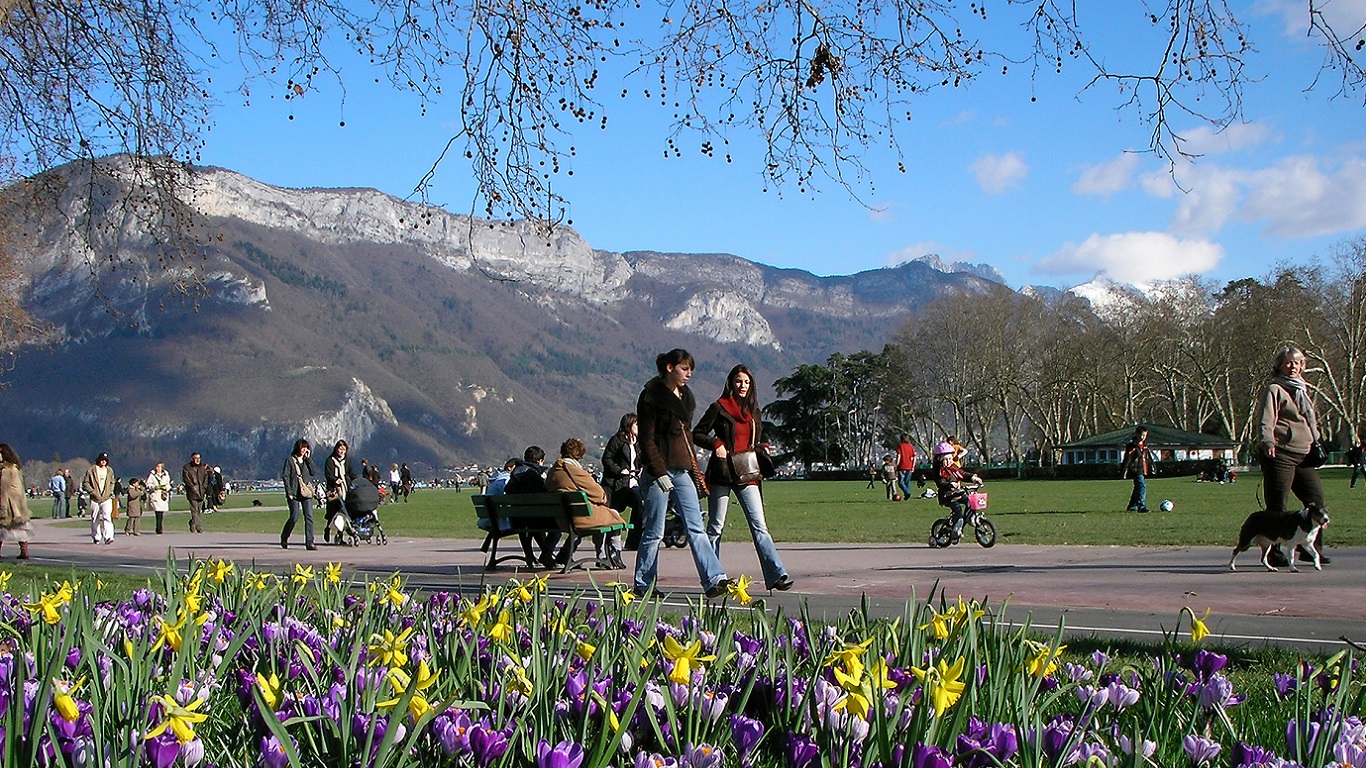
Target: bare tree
point(819, 81)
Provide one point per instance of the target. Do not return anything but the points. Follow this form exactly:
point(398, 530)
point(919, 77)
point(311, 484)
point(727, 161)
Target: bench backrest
point(554, 505)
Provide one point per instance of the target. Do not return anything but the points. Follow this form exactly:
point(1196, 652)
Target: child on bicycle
point(951, 477)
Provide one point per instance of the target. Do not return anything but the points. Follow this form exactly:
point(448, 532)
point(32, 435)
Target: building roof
point(1158, 437)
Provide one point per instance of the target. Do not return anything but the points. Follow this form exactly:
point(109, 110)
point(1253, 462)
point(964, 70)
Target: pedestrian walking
point(298, 475)
point(14, 512)
point(159, 492)
point(195, 476)
point(98, 485)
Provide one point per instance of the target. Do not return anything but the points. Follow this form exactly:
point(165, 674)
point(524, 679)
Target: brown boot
point(23, 550)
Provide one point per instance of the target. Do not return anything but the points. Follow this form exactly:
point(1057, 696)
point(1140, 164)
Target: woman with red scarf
point(731, 426)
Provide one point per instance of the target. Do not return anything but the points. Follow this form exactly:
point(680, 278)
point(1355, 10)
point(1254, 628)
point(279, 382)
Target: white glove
point(665, 483)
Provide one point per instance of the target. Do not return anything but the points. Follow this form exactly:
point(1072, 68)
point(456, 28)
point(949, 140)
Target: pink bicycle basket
point(977, 501)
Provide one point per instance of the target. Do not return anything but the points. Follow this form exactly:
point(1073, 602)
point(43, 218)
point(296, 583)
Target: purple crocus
point(273, 753)
point(1246, 755)
point(702, 756)
point(1285, 684)
point(487, 743)
point(745, 733)
point(1206, 663)
point(800, 750)
point(452, 731)
point(983, 745)
point(930, 756)
point(1217, 691)
point(162, 750)
point(1200, 750)
point(566, 754)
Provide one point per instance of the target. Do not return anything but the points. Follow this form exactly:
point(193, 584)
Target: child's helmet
point(943, 449)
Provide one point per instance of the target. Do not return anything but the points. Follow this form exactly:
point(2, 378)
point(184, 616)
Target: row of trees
point(1017, 374)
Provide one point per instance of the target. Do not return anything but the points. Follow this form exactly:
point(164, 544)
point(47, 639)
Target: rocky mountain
point(417, 334)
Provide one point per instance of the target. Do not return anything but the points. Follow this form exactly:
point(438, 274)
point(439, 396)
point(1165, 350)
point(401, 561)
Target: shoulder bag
point(744, 467)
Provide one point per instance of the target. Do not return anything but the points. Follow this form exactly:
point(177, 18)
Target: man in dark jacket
point(195, 476)
point(529, 477)
point(1138, 465)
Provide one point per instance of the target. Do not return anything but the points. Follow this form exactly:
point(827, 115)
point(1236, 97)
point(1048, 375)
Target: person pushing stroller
point(950, 478)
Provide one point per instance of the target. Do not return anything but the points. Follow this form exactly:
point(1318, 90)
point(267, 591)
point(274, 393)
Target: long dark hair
point(674, 357)
point(627, 421)
point(336, 447)
point(299, 446)
point(8, 455)
point(751, 401)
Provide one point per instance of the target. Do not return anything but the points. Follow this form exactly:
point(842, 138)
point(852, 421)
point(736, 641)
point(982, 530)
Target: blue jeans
point(684, 494)
point(58, 505)
point(295, 507)
point(904, 478)
point(752, 503)
point(1138, 500)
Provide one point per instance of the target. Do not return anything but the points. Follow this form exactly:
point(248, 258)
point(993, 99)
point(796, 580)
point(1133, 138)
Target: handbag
point(766, 466)
point(744, 467)
point(333, 494)
point(1316, 457)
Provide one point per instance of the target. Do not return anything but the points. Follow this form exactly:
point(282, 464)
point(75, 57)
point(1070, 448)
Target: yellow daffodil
point(849, 657)
point(62, 699)
point(942, 683)
point(860, 689)
point(4, 580)
point(303, 574)
point(169, 633)
point(739, 589)
point(585, 649)
point(523, 594)
point(270, 689)
point(501, 631)
point(1043, 658)
point(220, 571)
point(474, 615)
point(259, 581)
point(50, 606)
point(625, 597)
point(418, 704)
point(393, 594)
point(518, 681)
point(333, 573)
point(941, 625)
point(684, 659)
point(1199, 630)
point(390, 650)
point(181, 720)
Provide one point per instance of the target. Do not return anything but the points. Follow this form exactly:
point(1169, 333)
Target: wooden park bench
point(525, 514)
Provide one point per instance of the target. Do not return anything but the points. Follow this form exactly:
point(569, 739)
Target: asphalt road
point(1120, 592)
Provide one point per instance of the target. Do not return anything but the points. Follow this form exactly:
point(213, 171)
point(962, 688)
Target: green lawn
point(1024, 511)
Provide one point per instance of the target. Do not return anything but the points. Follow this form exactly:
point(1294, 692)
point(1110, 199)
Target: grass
point(1024, 512)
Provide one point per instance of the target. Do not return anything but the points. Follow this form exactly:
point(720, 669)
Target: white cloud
point(1294, 198)
point(997, 173)
point(1133, 257)
point(1107, 178)
point(1297, 199)
point(914, 251)
point(1205, 140)
point(1344, 16)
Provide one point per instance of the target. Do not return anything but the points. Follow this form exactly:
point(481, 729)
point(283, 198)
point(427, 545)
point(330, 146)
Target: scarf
point(1299, 392)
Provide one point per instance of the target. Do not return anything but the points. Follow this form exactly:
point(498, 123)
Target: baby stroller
point(361, 521)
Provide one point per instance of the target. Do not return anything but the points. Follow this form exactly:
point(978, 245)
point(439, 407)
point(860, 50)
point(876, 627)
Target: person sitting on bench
point(569, 475)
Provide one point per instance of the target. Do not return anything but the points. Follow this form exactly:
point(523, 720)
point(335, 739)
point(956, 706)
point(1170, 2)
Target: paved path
point(1109, 591)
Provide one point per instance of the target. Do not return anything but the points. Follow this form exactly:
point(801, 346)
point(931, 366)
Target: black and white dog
point(1288, 530)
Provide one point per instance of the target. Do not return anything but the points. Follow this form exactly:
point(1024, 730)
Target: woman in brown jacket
point(14, 514)
point(568, 474)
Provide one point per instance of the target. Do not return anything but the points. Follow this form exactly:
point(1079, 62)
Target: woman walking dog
point(1289, 432)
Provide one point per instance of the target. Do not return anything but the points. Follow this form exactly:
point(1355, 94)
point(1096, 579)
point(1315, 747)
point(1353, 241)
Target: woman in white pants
point(99, 483)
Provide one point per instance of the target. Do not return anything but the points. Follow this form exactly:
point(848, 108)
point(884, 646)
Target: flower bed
point(231, 668)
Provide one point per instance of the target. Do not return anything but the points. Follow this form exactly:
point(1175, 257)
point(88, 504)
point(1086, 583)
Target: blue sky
point(1050, 191)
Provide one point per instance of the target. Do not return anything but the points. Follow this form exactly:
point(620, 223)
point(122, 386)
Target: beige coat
point(568, 475)
point(14, 514)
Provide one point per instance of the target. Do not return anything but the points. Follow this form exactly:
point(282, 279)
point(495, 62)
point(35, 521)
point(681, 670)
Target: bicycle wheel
point(941, 533)
point(986, 533)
